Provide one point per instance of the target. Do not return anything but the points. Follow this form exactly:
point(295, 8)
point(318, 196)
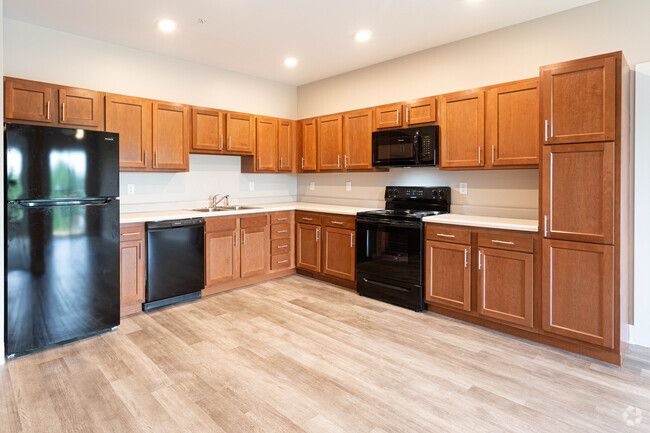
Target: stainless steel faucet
point(215, 202)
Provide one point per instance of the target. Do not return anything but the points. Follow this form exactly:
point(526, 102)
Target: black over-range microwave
point(408, 147)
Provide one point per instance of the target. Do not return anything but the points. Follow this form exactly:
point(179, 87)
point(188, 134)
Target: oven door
point(389, 261)
point(394, 148)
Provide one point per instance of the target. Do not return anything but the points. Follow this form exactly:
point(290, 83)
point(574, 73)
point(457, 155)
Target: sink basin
point(223, 208)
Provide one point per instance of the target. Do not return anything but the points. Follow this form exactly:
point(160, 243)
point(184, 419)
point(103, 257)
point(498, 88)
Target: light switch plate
point(348, 186)
point(312, 186)
point(130, 189)
point(462, 188)
point(251, 186)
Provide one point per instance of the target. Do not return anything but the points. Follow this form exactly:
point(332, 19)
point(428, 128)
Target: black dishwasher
point(175, 262)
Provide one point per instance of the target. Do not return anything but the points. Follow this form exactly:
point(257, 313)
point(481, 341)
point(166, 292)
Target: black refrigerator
point(62, 276)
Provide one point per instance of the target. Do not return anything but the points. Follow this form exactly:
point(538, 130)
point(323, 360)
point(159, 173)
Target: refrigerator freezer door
point(62, 275)
point(48, 163)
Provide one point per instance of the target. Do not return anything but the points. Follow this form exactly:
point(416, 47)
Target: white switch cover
point(312, 186)
point(348, 186)
point(251, 186)
point(462, 187)
point(130, 189)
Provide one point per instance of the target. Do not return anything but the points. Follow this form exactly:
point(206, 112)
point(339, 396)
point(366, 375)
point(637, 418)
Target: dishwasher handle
point(175, 224)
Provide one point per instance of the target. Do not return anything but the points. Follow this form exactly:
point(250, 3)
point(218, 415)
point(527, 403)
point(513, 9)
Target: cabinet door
point(357, 140)
point(339, 253)
point(207, 131)
point(505, 289)
point(578, 192)
point(287, 146)
point(448, 276)
point(308, 146)
point(171, 150)
point(330, 142)
point(241, 129)
point(80, 107)
point(266, 144)
point(578, 291)
point(131, 271)
point(27, 100)
point(131, 118)
point(513, 124)
point(423, 110)
point(579, 101)
point(388, 116)
point(462, 130)
point(308, 247)
point(254, 251)
point(221, 257)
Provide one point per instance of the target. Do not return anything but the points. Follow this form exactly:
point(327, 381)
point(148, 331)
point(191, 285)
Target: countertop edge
point(485, 224)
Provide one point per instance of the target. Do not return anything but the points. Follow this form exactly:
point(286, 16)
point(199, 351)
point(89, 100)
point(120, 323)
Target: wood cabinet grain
point(357, 140)
point(29, 101)
point(221, 256)
point(339, 253)
point(207, 131)
point(309, 145)
point(266, 144)
point(132, 119)
point(308, 247)
point(419, 111)
point(254, 251)
point(286, 158)
point(170, 138)
point(240, 128)
point(448, 275)
point(388, 116)
point(462, 129)
point(330, 142)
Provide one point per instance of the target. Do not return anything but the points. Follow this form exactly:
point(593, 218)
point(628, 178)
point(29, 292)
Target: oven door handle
point(388, 286)
point(388, 222)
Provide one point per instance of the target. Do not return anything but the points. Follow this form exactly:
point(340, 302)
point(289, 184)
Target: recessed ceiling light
point(362, 35)
point(166, 25)
point(290, 62)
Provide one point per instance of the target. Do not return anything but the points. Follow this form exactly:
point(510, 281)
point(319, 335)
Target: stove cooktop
point(401, 213)
point(413, 202)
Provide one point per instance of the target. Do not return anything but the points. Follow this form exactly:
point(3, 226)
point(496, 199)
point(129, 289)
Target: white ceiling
point(255, 36)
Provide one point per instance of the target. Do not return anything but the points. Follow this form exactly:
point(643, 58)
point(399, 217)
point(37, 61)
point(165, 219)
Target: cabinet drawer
point(281, 231)
point(254, 221)
point(447, 234)
point(346, 222)
point(131, 232)
point(308, 218)
point(280, 246)
point(282, 261)
point(220, 224)
point(280, 217)
point(504, 241)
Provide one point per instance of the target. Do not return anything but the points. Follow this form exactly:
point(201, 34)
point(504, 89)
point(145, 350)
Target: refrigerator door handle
point(49, 203)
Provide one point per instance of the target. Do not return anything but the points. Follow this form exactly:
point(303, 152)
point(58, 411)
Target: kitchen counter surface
point(525, 225)
point(138, 217)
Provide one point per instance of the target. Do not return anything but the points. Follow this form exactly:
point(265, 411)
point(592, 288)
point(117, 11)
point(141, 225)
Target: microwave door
point(394, 149)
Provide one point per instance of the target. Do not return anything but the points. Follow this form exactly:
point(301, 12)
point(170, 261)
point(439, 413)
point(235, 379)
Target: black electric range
point(390, 244)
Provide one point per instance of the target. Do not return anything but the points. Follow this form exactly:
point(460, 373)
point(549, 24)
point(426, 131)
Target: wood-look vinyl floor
point(299, 355)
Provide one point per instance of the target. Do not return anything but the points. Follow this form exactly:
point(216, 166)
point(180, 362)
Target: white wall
point(41, 54)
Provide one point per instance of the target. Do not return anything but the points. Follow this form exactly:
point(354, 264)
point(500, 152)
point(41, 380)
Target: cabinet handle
point(221, 143)
point(479, 155)
point(282, 219)
point(302, 164)
point(282, 246)
point(140, 251)
point(130, 234)
point(155, 154)
point(492, 154)
point(351, 240)
point(407, 114)
point(338, 161)
point(545, 130)
point(243, 237)
point(465, 257)
point(307, 219)
point(337, 222)
point(259, 162)
point(346, 161)
point(479, 259)
point(281, 261)
point(229, 141)
point(236, 235)
point(445, 236)
point(397, 119)
point(317, 235)
point(62, 111)
point(282, 231)
point(47, 105)
point(502, 242)
point(280, 163)
point(145, 157)
point(545, 226)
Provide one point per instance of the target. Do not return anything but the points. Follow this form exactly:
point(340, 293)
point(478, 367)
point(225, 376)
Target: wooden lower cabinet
point(578, 291)
point(505, 285)
point(339, 253)
point(132, 268)
point(221, 256)
point(254, 251)
point(308, 248)
point(448, 275)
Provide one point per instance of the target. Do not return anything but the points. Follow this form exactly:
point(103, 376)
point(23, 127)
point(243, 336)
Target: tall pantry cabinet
point(584, 178)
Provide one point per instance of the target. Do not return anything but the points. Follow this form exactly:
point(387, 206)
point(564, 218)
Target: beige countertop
point(525, 225)
point(138, 217)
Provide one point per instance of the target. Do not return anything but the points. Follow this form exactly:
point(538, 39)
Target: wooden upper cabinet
point(330, 142)
point(578, 291)
point(578, 192)
point(286, 145)
point(207, 131)
point(579, 101)
point(254, 251)
point(132, 119)
point(339, 253)
point(505, 288)
point(29, 101)
point(80, 107)
point(512, 124)
point(357, 140)
point(423, 110)
point(308, 144)
point(240, 128)
point(266, 144)
point(171, 147)
point(308, 246)
point(388, 116)
point(448, 274)
point(462, 129)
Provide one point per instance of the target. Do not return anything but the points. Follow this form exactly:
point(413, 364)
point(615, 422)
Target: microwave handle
point(417, 145)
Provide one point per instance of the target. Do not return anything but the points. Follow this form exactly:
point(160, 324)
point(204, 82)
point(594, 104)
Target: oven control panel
point(440, 194)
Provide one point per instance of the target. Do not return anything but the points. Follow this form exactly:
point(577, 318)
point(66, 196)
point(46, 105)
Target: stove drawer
point(446, 234)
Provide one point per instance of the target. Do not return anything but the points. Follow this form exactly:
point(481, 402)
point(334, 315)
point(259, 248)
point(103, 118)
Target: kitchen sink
point(223, 208)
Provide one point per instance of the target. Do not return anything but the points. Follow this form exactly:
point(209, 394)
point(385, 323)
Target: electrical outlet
point(130, 189)
point(462, 188)
point(251, 186)
point(312, 186)
point(348, 186)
